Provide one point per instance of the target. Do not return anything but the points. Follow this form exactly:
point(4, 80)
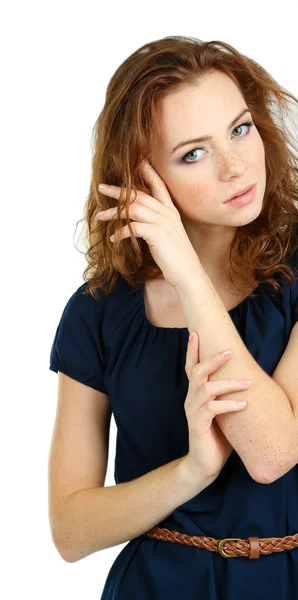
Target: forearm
point(98, 518)
point(262, 432)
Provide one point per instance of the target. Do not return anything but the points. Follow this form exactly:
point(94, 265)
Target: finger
point(213, 391)
point(210, 410)
point(137, 196)
point(136, 211)
point(192, 353)
point(139, 229)
point(209, 365)
point(157, 185)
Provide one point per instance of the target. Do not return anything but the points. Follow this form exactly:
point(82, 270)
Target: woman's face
point(200, 176)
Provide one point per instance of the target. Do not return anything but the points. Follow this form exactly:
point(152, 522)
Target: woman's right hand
point(208, 447)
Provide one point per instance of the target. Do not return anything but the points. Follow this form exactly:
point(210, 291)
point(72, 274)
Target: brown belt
point(227, 547)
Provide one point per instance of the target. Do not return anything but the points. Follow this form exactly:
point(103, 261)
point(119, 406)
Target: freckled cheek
point(188, 197)
point(185, 191)
point(258, 163)
point(180, 188)
point(257, 154)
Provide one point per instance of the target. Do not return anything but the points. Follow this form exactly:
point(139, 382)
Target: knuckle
point(197, 369)
point(192, 371)
point(175, 214)
point(206, 387)
point(136, 227)
point(210, 406)
point(133, 195)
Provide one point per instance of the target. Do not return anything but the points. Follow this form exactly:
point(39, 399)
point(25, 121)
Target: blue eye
point(249, 124)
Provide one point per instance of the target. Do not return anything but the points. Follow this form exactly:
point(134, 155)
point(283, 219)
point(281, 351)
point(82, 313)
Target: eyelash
point(249, 124)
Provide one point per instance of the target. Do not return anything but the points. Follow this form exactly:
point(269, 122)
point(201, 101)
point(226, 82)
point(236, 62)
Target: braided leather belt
point(227, 547)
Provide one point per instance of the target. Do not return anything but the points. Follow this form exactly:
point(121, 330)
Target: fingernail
point(191, 337)
point(226, 352)
point(245, 382)
point(103, 186)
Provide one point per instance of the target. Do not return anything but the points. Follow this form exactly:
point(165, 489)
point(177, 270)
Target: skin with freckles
point(212, 170)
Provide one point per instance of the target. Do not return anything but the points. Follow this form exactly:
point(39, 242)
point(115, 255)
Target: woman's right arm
point(85, 516)
point(99, 518)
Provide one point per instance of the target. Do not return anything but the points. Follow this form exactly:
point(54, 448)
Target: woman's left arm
point(265, 432)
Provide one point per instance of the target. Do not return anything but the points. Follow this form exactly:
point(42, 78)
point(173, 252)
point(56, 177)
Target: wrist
point(196, 274)
point(191, 476)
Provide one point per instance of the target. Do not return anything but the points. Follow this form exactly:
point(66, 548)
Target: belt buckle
point(221, 547)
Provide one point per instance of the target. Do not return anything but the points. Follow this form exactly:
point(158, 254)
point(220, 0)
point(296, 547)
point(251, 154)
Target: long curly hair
point(123, 135)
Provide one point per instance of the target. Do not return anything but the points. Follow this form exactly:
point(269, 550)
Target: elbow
point(270, 475)
point(69, 551)
point(264, 479)
point(65, 550)
point(264, 475)
point(66, 553)
point(273, 472)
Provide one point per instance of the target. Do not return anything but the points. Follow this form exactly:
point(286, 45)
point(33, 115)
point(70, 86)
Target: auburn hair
point(123, 135)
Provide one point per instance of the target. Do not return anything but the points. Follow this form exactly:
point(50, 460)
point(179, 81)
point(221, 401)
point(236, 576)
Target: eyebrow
point(208, 137)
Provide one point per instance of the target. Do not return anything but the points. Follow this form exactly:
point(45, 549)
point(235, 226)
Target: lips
point(240, 192)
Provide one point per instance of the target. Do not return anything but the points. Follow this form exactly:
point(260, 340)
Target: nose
point(231, 164)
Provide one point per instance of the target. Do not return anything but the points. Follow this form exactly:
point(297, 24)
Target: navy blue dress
point(113, 348)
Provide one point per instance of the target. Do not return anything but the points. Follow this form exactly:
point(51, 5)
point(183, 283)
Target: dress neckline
point(185, 329)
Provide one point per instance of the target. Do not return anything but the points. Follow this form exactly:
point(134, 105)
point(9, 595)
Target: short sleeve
point(294, 286)
point(77, 349)
point(295, 310)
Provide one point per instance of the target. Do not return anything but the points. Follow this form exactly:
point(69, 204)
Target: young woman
point(186, 126)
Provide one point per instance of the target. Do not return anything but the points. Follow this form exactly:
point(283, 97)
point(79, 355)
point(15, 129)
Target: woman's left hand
point(157, 220)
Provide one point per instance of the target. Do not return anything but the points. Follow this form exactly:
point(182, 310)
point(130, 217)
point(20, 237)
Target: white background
point(57, 58)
